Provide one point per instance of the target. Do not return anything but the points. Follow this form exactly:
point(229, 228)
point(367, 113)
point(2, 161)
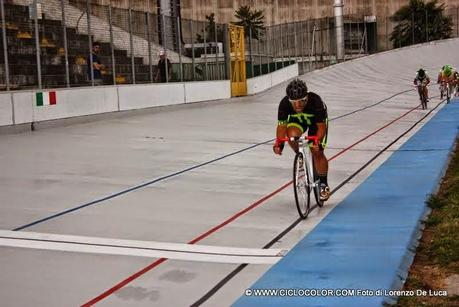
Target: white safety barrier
point(23, 107)
point(264, 82)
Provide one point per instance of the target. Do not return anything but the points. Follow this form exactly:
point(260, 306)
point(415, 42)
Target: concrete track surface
point(81, 197)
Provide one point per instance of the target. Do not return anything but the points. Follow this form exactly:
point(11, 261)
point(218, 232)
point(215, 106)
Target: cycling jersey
point(314, 111)
point(418, 79)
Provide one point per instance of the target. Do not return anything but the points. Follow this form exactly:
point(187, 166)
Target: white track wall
point(20, 107)
point(264, 82)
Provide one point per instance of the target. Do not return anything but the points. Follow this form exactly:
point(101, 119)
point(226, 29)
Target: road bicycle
point(446, 90)
point(422, 95)
point(304, 179)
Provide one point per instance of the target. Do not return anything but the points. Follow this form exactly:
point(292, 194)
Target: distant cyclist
point(422, 79)
point(447, 76)
point(299, 111)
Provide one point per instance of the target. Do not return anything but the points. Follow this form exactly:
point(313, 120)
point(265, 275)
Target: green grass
point(439, 248)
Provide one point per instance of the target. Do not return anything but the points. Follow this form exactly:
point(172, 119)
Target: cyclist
point(445, 74)
point(422, 79)
point(299, 111)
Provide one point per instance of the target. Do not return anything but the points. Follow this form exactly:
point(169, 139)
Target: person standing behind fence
point(97, 65)
point(161, 69)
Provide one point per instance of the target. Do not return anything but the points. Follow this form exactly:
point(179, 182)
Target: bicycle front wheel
point(301, 186)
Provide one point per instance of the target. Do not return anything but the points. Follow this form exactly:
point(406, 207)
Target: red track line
point(221, 225)
point(383, 127)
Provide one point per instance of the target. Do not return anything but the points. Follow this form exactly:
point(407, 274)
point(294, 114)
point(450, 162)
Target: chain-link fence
point(131, 38)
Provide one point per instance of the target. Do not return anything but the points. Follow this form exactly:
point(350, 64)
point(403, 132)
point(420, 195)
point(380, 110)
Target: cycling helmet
point(421, 73)
point(296, 89)
point(448, 70)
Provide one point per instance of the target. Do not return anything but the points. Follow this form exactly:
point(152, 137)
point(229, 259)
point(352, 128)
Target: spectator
point(161, 69)
point(96, 65)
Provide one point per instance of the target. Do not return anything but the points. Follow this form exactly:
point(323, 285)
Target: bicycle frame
point(421, 86)
point(304, 180)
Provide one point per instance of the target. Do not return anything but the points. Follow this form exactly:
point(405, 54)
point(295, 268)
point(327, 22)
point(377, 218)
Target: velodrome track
point(202, 174)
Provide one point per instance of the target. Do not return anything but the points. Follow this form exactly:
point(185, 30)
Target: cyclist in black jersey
point(302, 111)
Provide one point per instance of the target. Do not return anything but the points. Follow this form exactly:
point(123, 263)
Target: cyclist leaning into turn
point(422, 79)
point(299, 111)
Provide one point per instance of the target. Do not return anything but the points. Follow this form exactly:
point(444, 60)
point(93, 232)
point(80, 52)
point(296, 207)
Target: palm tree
point(250, 20)
point(420, 22)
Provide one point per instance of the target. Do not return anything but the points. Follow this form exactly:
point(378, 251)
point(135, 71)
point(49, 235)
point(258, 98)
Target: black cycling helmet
point(296, 89)
point(421, 73)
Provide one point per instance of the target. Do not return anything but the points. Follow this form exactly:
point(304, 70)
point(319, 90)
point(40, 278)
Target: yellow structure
point(238, 70)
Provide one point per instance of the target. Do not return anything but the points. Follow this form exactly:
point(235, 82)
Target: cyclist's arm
point(321, 130)
point(281, 131)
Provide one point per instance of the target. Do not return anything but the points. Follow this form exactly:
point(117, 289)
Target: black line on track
point(100, 200)
point(239, 268)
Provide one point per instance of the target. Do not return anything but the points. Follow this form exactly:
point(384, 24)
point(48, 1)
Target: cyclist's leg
point(294, 131)
point(321, 164)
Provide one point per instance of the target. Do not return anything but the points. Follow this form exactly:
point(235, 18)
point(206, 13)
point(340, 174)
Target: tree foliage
point(251, 20)
point(210, 31)
point(420, 22)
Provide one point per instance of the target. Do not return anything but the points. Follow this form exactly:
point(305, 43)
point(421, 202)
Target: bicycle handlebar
point(313, 138)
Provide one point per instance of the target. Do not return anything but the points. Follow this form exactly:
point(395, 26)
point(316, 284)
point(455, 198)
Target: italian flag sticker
point(46, 98)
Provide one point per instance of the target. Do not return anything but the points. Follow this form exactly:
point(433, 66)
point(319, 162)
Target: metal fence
point(131, 39)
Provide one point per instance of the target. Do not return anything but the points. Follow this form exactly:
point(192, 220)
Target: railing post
point(217, 64)
point(5, 47)
point(131, 43)
point(66, 55)
point(179, 39)
point(37, 42)
point(192, 50)
point(88, 17)
point(148, 26)
point(112, 47)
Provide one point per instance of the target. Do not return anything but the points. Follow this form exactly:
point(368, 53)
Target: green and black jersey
point(315, 111)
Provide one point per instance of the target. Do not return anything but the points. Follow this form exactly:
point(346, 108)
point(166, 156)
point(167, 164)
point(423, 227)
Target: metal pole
point(88, 17)
point(66, 56)
point(37, 43)
point(179, 39)
point(192, 50)
point(163, 34)
point(310, 49)
point(5, 48)
point(216, 53)
point(150, 59)
point(295, 44)
point(111, 41)
point(251, 57)
point(358, 34)
point(282, 46)
point(268, 49)
point(275, 41)
point(339, 29)
point(131, 43)
point(302, 44)
point(205, 52)
point(260, 68)
point(227, 52)
point(412, 28)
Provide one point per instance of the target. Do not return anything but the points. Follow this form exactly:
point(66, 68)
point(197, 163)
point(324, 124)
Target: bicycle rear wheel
point(424, 101)
point(301, 186)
